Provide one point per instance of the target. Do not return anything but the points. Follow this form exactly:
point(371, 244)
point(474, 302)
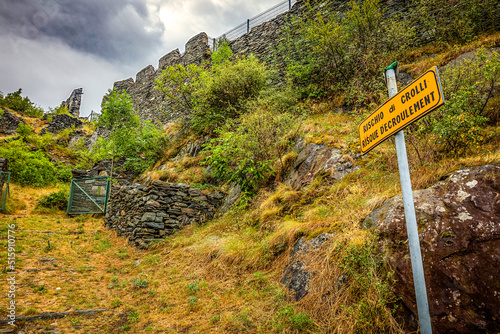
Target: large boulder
point(8, 122)
point(459, 230)
point(314, 159)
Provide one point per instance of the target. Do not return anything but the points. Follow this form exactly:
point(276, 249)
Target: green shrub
point(178, 84)
point(460, 21)
point(22, 104)
point(211, 96)
point(24, 130)
point(457, 126)
point(28, 167)
point(56, 200)
point(345, 53)
point(58, 111)
point(142, 144)
point(246, 155)
point(225, 90)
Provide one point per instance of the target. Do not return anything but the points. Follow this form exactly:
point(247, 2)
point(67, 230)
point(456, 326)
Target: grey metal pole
point(289, 4)
point(411, 220)
point(248, 26)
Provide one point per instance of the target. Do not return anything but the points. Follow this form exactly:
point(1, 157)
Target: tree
point(118, 117)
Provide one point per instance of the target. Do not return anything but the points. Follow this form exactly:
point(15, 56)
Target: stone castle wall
point(261, 41)
point(150, 103)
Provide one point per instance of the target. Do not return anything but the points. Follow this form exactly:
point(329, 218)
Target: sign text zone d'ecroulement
point(415, 101)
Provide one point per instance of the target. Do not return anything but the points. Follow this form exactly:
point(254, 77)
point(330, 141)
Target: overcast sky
point(50, 47)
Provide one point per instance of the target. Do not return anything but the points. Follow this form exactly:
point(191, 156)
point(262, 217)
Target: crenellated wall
point(150, 103)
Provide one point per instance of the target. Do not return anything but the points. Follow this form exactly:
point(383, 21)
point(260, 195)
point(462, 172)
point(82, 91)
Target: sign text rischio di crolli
point(415, 101)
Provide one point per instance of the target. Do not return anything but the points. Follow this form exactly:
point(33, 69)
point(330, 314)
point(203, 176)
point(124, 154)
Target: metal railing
point(245, 27)
point(94, 116)
point(4, 181)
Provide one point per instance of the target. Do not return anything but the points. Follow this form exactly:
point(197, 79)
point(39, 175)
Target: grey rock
point(148, 216)
point(295, 275)
point(155, 225)
point(232, 197)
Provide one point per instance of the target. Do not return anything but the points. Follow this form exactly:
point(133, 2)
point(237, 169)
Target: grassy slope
point(222, 277)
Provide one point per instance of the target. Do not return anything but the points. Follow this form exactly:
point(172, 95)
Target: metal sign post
point(411, 220)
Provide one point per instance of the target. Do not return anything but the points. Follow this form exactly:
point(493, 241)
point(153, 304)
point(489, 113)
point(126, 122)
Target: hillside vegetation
point(224, 276)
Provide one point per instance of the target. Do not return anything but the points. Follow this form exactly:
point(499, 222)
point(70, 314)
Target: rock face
point(459, 228)
point(73, 102)
point(9, 122)
point(61, 122)
point(314, 159)
point(144, 214)
point(296, 275)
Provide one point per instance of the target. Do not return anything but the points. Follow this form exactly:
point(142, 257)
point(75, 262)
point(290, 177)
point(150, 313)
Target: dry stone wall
point(145, 214)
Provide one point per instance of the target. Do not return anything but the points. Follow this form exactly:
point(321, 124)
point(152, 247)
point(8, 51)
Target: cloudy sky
point(50, 47)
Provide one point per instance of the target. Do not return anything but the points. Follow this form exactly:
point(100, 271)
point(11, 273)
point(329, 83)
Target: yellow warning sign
point(412, 103)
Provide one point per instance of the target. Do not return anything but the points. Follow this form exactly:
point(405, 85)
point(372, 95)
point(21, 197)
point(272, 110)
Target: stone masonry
point(145, 214)
point(150, 103)
point(73, 102)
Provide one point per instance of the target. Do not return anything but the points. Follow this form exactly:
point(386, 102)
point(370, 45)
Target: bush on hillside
point(225, 90)
point(211, 96)
point(18, 103)
point(24, 130)
point(28, 167)
point(142, 144)
point(457, 126)
point(178, 84)
point(56, 200)
point(345, 53)
point(246, 153)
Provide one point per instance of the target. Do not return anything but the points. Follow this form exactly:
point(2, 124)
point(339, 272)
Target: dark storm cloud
point(119, 30)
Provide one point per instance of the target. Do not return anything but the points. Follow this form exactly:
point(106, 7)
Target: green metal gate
point(89, 195)
point(4, 188)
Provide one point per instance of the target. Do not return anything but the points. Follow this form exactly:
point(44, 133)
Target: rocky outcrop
point(73, 102)
point(459, 229)
point(8, 122)
point(144, 214)
point(314, 159)
point(61, 122)
point(296, 275)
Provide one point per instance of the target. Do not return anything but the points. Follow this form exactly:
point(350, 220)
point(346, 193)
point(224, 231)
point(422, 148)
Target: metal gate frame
point(4, 199)
point(75, 185)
